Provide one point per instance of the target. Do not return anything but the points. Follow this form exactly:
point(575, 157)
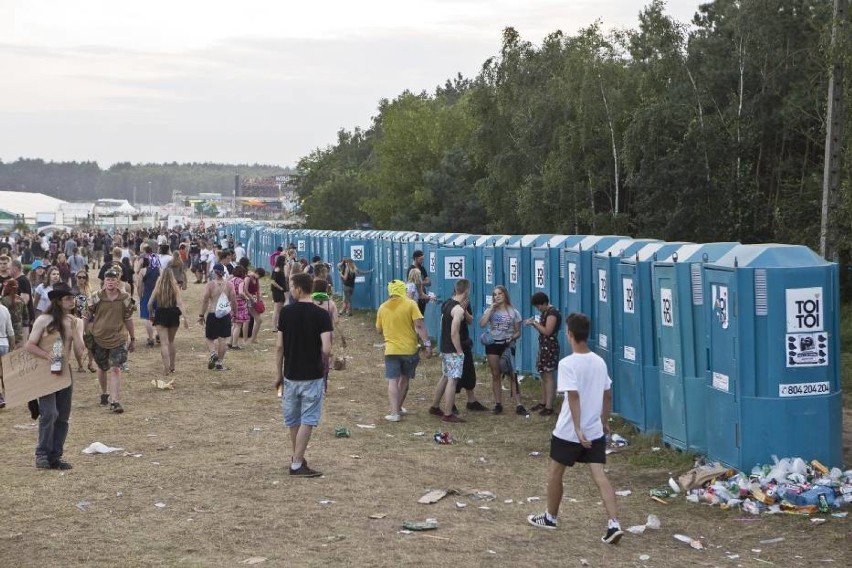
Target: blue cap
point(36, 264)
point(219, 268)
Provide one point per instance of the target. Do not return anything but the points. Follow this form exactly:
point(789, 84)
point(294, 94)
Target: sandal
point(92, 368)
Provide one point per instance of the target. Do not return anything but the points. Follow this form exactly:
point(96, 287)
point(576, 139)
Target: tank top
point(447, 327)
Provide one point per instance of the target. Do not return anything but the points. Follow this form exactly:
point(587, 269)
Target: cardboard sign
point(26, 377)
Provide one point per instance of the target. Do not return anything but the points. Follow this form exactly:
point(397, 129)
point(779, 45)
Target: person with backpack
point(217, 306)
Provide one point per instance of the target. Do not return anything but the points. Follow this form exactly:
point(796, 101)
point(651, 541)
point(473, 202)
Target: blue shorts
point(302, 402)
point(397, 366)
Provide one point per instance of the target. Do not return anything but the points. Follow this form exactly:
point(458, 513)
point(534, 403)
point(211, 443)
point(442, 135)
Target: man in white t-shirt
point(239, 252)
point(580, 433)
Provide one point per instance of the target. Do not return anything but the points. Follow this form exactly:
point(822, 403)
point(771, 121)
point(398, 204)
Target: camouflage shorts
point(107, 358)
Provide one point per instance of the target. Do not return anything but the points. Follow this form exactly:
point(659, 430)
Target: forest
point(154, 183)
point(709, 130)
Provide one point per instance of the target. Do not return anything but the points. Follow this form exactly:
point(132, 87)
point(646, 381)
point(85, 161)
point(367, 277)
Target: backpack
point(223, 306)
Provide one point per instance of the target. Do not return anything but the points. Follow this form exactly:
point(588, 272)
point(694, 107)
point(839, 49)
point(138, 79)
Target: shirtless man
point(217, 329)
point(55, 409)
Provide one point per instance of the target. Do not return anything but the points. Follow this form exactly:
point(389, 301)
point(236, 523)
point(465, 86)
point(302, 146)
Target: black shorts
point(167, 317)
point(568, 453)
point(216, 328)
point(468, 378)
point(496, 348)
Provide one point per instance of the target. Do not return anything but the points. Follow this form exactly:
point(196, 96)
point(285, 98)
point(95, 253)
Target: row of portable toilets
point(728, 350)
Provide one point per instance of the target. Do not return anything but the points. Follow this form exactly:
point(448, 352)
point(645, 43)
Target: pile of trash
point(789, 485)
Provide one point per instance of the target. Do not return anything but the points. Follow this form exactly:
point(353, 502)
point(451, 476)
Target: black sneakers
point(541, 521)
point(116, 407)
point(211, 361)
point(498, 409)
point(520, 410)
point(104, 399)
point(61, 464)
point(436, 411)
point(613, 535)
point(42, 462)
point(476, 406)
point(304, 471)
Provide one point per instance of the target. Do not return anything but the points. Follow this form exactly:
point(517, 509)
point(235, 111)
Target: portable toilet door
point(579, 281)
point(773, 383)
point(361, 253)
point(453, 264)
point(680, 333)
point(545, 276)
point(636, 376)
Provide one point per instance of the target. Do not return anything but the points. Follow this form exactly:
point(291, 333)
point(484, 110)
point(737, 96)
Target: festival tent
point(29, 204)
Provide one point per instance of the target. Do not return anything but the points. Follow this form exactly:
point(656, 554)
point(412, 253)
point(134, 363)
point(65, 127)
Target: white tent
point(107, 207)
point(28, 204)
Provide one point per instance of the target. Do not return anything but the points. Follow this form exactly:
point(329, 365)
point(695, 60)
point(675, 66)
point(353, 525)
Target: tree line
point(713, 131)
point(86, 181)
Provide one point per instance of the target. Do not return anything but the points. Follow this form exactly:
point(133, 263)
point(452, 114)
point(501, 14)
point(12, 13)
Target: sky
point(243, 82)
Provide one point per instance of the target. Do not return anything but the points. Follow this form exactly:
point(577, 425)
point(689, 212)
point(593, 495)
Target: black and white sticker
point(807, 349)
point(356, 252)
point(669, 366)
point(538, 270)
point(720, 304)
point(805, 309)
point(572, 277)
point(627, 295)
point(513, 270)
point(666, 311)
point(454, 267)
point(603, 286)
point(489, 271)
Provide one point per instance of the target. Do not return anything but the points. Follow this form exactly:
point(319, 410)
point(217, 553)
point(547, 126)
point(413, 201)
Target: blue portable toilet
point(773, 379)
point(606, 299)
point(636, 374)
point(453, 264)
point(360, 250)
point(681, 338)
point(517, 264)
point(546, 276)
point(578, 281)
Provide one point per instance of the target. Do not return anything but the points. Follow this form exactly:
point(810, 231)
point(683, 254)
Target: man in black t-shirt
point(417, 262)
point(304, 338)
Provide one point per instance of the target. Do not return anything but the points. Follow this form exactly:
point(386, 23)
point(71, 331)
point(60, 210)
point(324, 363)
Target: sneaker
point(157, 337)
point(392, 418)
point(220, 367)
point(211, 361)
point(402, 410)
point(498, 409)
point(452, 418)
point(150, 343)
point(125, 367)
point(435, 411)
point(42, 462)
point(537, 407)
point(545, 412)
point(520, 410)
point(61, 464)
point(304, 471)
point(613, 535)
point(116, 407)
point(541, 521)
point(104, 399)
point(476, 406)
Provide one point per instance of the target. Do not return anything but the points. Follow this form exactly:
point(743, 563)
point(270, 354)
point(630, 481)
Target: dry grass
point(215, 452)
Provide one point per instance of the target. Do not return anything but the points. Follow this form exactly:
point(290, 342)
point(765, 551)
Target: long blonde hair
point(84, 289)
point(166, 290)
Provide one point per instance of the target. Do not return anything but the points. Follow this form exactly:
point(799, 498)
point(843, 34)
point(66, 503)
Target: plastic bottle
point(56, 357)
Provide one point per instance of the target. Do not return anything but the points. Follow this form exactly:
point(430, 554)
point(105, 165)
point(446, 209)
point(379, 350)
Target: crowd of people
point(49, 298)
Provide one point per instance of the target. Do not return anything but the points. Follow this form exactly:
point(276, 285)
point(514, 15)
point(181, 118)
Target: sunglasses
point(82, 277)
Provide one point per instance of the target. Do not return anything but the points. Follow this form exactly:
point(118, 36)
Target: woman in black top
point(348, 273)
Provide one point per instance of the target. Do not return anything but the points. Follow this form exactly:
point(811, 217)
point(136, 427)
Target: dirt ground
point(204, 481)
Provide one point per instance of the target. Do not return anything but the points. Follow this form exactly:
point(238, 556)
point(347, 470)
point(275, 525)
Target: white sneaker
point(402, 410)
point(392, 417)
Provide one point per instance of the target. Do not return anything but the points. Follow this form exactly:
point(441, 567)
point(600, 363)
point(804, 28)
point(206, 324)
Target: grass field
point(204, 482)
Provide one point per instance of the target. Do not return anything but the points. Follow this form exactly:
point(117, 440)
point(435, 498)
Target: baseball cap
point(36, 264)
point(112, 273)
point(219, 268)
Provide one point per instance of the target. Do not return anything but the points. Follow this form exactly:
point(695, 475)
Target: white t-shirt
point(585, 373)
point(239, 252)
point(165, 260)
point(162, 240)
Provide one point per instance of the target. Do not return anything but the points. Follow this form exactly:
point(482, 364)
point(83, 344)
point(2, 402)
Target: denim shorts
point(302, 402)
point(397, 366)
point(452, 365)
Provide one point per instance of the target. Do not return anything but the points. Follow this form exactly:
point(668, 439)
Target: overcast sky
point(242, 82)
